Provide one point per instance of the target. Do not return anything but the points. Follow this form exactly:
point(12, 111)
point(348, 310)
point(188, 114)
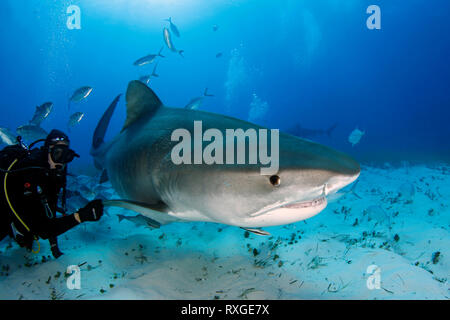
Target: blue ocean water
point(314, 62)
point(282, 63)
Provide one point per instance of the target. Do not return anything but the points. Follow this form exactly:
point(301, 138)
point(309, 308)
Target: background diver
point(30, 185)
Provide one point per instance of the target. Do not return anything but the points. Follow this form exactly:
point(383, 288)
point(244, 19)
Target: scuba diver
point(30, 184)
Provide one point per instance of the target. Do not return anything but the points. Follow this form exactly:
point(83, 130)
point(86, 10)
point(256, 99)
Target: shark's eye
point(275, 180)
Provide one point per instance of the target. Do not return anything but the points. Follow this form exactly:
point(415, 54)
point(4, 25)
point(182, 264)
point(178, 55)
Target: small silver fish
point(31, 133)
point(75, 119)
point(169, 43)
point(259, 232)
point(7, 136)
point(148, 59)
point(173, 28)
point(355, 136)
point(196, 102)
point(146, 79)
point(41, 113)
point(218, 55)
point(140, 220)
point(80, 94)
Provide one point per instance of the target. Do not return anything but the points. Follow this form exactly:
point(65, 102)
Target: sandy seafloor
point(325, 257)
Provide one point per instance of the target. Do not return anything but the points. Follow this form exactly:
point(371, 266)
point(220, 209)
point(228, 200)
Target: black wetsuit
point(28, 191)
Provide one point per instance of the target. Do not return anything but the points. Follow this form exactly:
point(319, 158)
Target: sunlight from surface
point(149, 10)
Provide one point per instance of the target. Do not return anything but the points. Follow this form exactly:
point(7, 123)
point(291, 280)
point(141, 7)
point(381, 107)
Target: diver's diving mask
point(61, 153)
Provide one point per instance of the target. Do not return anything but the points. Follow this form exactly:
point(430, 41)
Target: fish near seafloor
point(41, 113)
point(376, 213)
point(75, 200)
point(7, 137)
point(140, 220)
point(355, 136)
point(169, 43)
point(406, 192)
point(139, 165)
point(80, 94)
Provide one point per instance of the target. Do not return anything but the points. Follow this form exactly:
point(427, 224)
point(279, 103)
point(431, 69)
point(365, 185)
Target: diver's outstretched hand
point(93, 211)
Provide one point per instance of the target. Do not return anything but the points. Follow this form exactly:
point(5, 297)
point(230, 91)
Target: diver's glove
point(93, 211)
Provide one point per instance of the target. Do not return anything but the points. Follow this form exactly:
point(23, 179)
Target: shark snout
point(346, 170)
point(338, 182)
point(318, 170)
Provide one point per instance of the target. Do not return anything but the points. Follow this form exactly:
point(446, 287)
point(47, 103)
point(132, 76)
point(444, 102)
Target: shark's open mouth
point(305, 204)
point(322, 201)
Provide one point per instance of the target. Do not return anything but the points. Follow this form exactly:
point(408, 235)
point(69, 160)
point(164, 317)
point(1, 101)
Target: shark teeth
point(306, 204)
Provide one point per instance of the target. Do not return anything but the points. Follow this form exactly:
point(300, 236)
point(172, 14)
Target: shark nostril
point(275, 180)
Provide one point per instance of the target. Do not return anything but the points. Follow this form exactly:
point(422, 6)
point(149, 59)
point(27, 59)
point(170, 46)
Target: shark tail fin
point(104, 177)
point(100, 130)
point(331, 129)
point(206, 94)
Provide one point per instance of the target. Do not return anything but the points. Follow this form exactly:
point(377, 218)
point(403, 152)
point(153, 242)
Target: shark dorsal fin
point(141, 102)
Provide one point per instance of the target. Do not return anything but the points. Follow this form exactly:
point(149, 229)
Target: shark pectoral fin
point(150, 211)
point(259, 232)
point(141, 102)
point(334, 196)
point(356, 195)
point(352, 190)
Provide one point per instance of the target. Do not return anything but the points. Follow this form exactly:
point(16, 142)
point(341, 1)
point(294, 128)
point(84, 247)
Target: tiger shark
point(139, 165)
